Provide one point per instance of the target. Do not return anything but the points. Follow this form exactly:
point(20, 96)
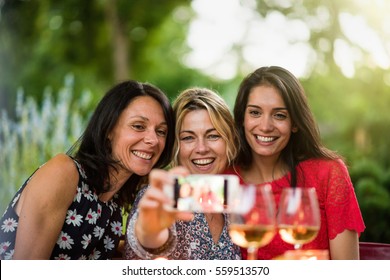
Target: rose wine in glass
point(298, 216)
point(252, 219)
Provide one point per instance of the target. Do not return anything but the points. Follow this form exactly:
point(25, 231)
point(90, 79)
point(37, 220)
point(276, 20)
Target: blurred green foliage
point(372, 185)
point(57, 58)
point(38, 132)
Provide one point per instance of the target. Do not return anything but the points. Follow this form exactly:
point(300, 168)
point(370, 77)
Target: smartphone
point(203, 193)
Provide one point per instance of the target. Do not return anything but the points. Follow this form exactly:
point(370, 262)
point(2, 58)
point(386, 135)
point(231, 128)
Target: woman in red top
point(281, 145)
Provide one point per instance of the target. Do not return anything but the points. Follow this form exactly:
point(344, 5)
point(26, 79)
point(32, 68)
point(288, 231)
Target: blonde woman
point(206, 143)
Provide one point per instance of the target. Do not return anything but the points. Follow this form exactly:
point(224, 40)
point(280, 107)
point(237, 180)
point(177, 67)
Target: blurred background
point(58, 58)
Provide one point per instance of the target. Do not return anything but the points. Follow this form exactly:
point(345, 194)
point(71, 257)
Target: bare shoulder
point(62, 160)
point(52, 187)
point(61, 168)
point(57, 178)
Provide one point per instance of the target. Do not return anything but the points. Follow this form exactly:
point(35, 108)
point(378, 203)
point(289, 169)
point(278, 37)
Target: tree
point(100, 42)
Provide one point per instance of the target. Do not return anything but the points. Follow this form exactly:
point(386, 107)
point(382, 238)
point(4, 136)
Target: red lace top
point(337, 200)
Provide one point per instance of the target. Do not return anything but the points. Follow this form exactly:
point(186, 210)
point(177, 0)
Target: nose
point(151, 138)
point(266, 123)
point(202, 146)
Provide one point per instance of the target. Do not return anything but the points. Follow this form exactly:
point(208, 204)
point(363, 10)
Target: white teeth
point(142, 155)
point(202, 161)
point(265, 139)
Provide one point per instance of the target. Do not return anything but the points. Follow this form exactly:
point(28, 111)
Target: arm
point(134, 250)
point(43, 206)
point(345, 246)
point(151, 230)
point(151, 226)
point(343, 213)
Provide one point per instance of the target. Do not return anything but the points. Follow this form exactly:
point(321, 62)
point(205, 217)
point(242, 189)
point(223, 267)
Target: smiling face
point(139, 136)
point(202, 149)
point(267, 122)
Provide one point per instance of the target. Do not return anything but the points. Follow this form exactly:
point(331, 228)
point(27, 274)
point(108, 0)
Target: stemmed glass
point(298, 216)
point(252, 218)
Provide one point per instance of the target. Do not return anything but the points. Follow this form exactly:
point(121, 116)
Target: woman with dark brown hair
point(71, 207)
point(281, 145)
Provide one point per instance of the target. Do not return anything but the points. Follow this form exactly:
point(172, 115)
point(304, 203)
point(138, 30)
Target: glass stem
point(297, 246)
point(252, 253)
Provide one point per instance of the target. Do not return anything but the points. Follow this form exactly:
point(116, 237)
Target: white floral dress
point(91, 230)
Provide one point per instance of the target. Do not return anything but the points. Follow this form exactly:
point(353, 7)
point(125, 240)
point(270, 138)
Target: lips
point(266, 139)
point(203, 161)
point(142, 155)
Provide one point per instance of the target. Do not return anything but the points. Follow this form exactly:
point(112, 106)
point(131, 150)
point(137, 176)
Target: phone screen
point(203, 193)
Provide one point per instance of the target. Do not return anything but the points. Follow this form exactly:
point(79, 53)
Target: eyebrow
point(192, 132)
point(274, 109)
point(138, 116)
point(146, 119)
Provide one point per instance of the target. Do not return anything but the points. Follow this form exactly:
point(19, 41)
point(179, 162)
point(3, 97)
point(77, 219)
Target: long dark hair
point(303, 144)
point(93, 149)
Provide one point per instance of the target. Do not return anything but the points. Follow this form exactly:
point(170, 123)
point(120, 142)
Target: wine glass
point(298, 216)
point(252, 221)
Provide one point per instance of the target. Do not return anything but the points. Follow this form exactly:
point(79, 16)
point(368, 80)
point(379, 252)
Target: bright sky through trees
point(226, 36)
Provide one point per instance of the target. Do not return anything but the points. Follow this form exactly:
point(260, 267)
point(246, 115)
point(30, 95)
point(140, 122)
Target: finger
point(155, 194)
point(148, 204)
point(179, 171)
point(185, 216)
point(159, 177)
point(155, 197)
